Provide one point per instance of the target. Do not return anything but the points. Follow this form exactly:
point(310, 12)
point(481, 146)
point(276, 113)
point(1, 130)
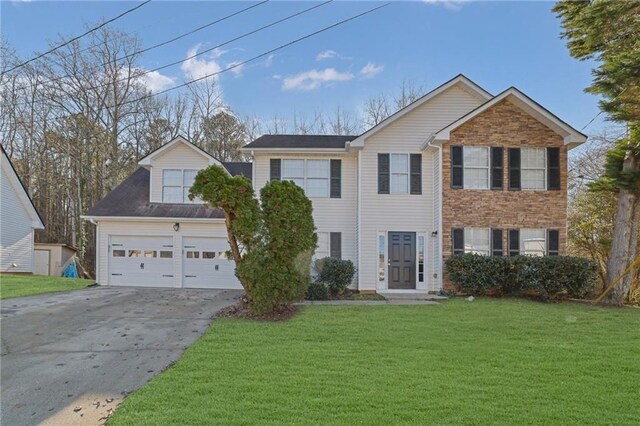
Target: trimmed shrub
point(548, 277)
point(336, 273)
point(475, 273)
point(317, 291)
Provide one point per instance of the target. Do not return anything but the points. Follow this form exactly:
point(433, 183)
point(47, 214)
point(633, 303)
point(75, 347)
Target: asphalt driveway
point(70, 358)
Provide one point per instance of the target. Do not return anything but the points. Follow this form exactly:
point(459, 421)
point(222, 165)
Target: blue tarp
point(71, 271)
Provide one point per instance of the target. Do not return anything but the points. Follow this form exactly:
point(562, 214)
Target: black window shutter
point(496, 242)
point(416, 174)
point(336, 178)
point(497, 167)
point(457, 167)
point(553, 168)
point(514, 242)
point(553, 242)
point(335, 241)
point(383, 173)
point(457, 236)
point(275, 169)
point(514, 168)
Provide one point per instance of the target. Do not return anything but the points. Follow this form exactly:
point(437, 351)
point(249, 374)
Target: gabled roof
point(21, 191)
point(236, 168)
point(328, 142)
point(146, 160)
point(572, 137)
point(457, 80)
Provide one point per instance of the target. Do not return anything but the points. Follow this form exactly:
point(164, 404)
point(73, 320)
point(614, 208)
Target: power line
point(77, 37)
point(195, 55)
point(601, 111)
point(145, 72)
point(239, 64)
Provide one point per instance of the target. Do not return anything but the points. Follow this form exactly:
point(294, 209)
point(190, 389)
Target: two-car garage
point(169, 261)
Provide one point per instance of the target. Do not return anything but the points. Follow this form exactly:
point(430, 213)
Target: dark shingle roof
point(301, 141)
point(239, 168)
point(131, 199)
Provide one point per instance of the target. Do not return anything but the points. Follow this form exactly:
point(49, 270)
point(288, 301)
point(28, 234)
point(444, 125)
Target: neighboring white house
point(18, 220)
point(377, 199)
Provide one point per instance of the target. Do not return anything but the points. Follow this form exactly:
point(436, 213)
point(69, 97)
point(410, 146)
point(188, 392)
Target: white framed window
point(176, 184)
point(533, 168)
point(322, 249)
point(477, 241)
point(533, 242)
point(310, 175)
point(476, 167)
point(399, 168)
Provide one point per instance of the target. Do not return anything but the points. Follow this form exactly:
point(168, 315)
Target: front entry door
point(402, 260)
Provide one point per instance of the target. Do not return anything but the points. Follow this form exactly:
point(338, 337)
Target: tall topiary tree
point(271, 242)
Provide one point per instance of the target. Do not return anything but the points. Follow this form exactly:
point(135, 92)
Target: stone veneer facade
point(508, 126)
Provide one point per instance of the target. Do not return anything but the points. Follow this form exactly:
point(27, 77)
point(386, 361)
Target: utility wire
point(76, 38)
point(601, 111)
point(137, 52)
point(239, 64)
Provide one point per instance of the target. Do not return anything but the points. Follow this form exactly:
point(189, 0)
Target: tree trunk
point(625, 234)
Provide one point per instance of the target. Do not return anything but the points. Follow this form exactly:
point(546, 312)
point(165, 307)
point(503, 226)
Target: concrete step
point(410, 295)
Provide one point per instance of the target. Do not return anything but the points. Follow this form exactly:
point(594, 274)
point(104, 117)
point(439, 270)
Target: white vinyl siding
point(329, 214)
point(409, 213)
point(533, 242)
point(312, 175)
point(180, 157)
point(533, 168)
point(16, 228)
point(476, 167)
point(477, 241)
point(322, 249)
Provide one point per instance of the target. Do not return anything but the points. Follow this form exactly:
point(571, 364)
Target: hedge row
point(548, 277)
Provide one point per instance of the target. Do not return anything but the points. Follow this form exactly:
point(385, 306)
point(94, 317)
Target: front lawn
point(482, 362)
point(28, 285)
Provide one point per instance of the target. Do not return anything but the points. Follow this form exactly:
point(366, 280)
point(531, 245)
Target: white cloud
point(447, 4)
point(200, 66)
point(326, 54)
point(314, 79)
point(155, 81)
point(269, 61)
point(371, 70)
point(237, 68)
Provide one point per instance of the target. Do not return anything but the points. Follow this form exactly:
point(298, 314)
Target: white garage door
point(141, 261)
point(205, 264)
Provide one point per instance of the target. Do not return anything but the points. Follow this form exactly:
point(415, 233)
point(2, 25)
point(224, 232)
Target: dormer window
point(176, 184)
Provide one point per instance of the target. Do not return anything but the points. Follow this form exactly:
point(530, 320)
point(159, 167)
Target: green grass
point(28, 285)
point(485, 362)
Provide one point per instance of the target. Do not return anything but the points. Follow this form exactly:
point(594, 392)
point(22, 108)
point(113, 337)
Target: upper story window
point(311, 175)
point(399, 173)
point(533, 168)
point(176, 184)
point(476, 167)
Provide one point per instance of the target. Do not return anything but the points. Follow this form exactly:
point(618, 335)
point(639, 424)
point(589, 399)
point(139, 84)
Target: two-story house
point(458, 170)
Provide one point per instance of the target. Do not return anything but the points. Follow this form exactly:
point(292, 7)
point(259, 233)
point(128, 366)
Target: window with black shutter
point(336, 178)
point(553, 242)
point(497, 167)
point(514, 169)
point(514, 242)
point(553, 168)
point(416, 174)
point(335, 245)
point(457, 167)
point(457, 237)
point(496, 242)
point(275, 169)
point(383, 173)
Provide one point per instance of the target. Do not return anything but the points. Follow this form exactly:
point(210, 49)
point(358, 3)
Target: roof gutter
point(95, 219)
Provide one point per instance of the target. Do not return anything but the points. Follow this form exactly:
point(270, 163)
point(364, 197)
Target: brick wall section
point(506, 125)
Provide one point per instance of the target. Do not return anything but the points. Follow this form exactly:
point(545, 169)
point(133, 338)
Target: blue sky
point(497, 44)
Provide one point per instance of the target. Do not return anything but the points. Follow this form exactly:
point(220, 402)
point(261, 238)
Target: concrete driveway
point(70, 358)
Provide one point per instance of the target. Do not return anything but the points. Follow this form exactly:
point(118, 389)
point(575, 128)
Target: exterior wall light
point(176, 226)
